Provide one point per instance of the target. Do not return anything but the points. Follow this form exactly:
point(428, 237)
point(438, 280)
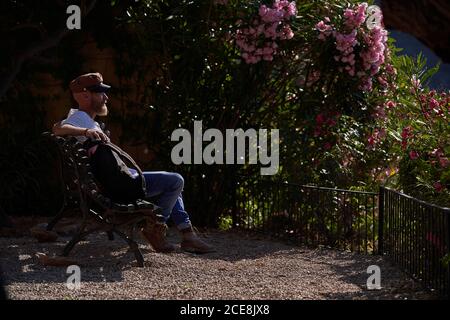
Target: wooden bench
point(98, 213)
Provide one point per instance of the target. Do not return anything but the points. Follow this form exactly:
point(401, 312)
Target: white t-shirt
point(81, 119)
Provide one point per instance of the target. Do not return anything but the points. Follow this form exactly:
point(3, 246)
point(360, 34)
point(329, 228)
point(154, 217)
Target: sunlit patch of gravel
point(244, 267)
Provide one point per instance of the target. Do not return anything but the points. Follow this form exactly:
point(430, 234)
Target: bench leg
point(55, 219)
point(76, 238)
point(80, 235)
point(133, 247)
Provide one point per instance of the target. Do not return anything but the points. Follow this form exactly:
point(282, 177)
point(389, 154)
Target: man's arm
point(67, 130)
point(70, 130)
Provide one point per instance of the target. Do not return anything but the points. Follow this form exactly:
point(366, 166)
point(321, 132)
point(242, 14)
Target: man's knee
point(178, 180)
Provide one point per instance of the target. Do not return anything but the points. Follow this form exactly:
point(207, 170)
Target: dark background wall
point(422, 26)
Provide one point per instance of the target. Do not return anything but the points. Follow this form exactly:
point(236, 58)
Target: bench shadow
point(103, 260)
point(99, 259)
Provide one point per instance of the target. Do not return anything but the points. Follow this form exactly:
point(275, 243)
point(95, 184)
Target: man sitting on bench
point(89, 92)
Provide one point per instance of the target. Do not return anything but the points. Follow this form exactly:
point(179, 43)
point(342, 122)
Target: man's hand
point(96, 135)
point(70, 130)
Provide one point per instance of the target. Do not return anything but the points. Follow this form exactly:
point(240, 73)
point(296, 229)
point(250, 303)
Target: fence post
point(447, 212)
point(381, 221)
point(234, 199)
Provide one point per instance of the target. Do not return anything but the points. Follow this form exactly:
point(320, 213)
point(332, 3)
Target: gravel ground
point(244, 267)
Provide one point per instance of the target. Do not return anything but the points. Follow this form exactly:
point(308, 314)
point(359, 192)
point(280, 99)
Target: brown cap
point(89, 81)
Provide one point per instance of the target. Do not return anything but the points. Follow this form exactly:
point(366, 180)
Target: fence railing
point(415, 234)
point(412, 233)
point(309, 215)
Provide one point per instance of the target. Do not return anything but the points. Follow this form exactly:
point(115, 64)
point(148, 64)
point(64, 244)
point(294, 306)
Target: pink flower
point(434, 104)
point(437, 153)
point(263, 10)
point(361, 51)
point(444, 162)
point(267, 51)
point(390, 69)
point(415, 82)
point(258, 42)
point(291, 10)
point(366, 84)
point(287, 33)
point(413, 155)
point(323, 27)
point(353, 18)
point(390, 104)
point(406, 132)
point(438, 186)
point(320, 119)
point(382, 82)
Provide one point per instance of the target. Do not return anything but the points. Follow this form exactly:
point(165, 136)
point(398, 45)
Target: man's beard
point(101, 109)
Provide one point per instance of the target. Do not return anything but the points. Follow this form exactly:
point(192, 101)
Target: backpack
point(115, 180)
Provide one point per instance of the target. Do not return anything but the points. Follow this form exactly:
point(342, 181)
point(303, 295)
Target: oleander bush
point(352, 111)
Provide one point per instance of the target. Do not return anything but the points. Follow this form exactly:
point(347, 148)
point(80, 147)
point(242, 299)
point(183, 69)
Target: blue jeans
point(167, 186)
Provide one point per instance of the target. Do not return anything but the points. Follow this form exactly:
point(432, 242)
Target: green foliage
point(177, 62)
point(225, 222)
point(418, 132)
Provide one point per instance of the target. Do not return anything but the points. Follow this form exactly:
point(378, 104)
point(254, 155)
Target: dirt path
point(245, 267)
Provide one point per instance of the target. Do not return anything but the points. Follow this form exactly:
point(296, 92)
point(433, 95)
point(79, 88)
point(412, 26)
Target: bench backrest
point(75, 171)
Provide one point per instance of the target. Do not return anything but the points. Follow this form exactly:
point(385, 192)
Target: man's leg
point(169, 186)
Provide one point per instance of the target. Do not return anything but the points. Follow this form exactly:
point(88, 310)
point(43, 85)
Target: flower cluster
point(434, 105)
point(324, 123)
point(407, 134)
point(258, 41)
point(375, 138)
point(354, 18)
point(422, 124)
point(439, 158)
point(360, 51)
point(441, 162)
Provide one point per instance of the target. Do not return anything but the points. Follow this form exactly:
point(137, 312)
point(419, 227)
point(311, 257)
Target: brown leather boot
point(192, 243)
point(156, 236)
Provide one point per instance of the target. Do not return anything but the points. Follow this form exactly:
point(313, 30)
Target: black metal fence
point(309, 215)
point(415, 234)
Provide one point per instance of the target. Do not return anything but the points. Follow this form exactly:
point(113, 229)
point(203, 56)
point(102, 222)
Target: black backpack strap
point(126, 156)
point(89, 143)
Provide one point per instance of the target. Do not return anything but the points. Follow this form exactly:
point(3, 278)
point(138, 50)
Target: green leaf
point(395, 135)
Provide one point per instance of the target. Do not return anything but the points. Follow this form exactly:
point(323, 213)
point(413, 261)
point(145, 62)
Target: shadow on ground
point(245, 266)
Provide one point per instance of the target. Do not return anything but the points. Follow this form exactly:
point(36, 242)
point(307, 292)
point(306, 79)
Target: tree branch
point(34, 50)
point(36, 26)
